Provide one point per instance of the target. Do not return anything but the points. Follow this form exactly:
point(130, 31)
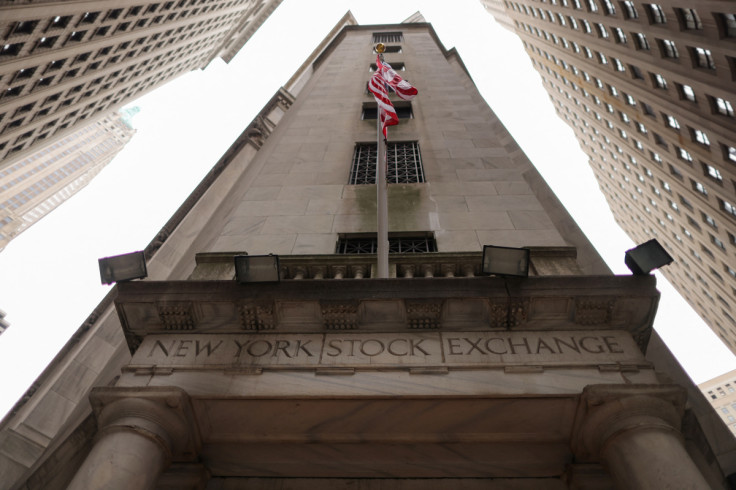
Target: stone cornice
point(390, 305)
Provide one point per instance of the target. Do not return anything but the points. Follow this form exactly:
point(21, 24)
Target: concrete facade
point(65, 64)
point(330, 378)
point(648, 89)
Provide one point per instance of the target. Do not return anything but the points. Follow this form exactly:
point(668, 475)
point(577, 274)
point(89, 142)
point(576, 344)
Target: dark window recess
point(76, 36)
point(387, 37)
point(399, 66)
point(55, 65)
point(89, 17)
point(403, 160)
point(403, 111)
point(24, 27)
point(11, 49)
point(60, 22)
point(113, 14)
point(396, 245)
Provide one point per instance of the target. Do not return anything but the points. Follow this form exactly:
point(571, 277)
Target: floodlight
point(505, 261)
point(643, 259)
point(122, 267)
point(257, 268)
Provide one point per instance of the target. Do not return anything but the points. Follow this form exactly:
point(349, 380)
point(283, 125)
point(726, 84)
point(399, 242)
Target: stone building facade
point(648, 90)
point(435, 377)
point(65, 64)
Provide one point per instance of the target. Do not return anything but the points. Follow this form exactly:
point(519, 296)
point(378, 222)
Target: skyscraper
point(3, 322)
point(446, 374)
point(65, 64)
point(648, 90)
point(37, 184)
point(721, 393)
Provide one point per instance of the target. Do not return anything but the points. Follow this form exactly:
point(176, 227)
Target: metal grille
point(396, 245)
point(387, 37)
point(403, 159)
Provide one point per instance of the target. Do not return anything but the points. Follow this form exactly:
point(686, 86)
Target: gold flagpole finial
point(380, 48)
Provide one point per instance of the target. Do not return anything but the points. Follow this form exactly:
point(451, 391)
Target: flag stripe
point(386, 112)
point(402, 88)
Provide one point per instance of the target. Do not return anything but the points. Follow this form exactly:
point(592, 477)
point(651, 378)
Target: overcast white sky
point(49, 280)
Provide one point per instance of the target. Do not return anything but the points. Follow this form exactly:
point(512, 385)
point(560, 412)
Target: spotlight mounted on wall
point(122, 267)
point(257, 268)
point(644, 258)
point(505, 261)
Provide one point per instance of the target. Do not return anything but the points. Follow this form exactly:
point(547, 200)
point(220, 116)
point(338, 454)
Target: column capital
point(161, 414)
point(607, 411)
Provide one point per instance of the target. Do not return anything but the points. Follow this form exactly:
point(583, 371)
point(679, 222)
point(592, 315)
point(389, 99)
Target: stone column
point(140, 433)
point(633, 430)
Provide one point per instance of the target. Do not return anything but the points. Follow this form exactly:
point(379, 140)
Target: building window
point(396, 244)
point(671, 121)
point(722, 106)
point(403, 110)
point(689, 19)
point(726, 24)
point(76, 36)
point(630, 10)
point(619, 35)
point(636, 72)
point(727, 207)
point(647, 109)
point(729, 153)
point(60, 22)
point(709, 219)
point(641, 41)
point(712, 172)
point(404, 164)
point(669, 49)
point(657, 14)
point(700, 137)
point(684, 154)
point(387, 37)
point(703, 58)
point(698, 187)
point(686, 92)
point(609, 7)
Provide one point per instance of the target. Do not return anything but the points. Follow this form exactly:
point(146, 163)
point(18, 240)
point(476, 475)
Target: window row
point(49, 42)
point(62, 22)
point(687, 19)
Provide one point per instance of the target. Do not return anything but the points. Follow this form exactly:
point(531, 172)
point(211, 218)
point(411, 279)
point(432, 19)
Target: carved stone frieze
point(424, 314)
point(257, 315)
point(508, 314)
point(594, 311)
point(339, 315)
point(177, 315)
point(518, 312)
point(498, 314)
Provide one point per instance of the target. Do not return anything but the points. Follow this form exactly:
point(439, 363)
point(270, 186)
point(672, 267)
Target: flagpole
point(381, 194)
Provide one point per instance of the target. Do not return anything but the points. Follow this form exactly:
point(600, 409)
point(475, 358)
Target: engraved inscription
point(386, 350)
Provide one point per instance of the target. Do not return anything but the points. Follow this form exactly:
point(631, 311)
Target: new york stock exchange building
point(438, 377)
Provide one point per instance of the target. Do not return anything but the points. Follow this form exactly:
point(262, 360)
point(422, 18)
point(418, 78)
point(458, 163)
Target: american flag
point(386, 111)
point(402, 88)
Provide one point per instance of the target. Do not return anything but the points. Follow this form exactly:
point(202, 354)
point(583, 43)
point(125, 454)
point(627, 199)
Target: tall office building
point(721, 393)
point(65, 64)
point(37, 184)
point(648, 89)
point(3, 322)
point(327, 377)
